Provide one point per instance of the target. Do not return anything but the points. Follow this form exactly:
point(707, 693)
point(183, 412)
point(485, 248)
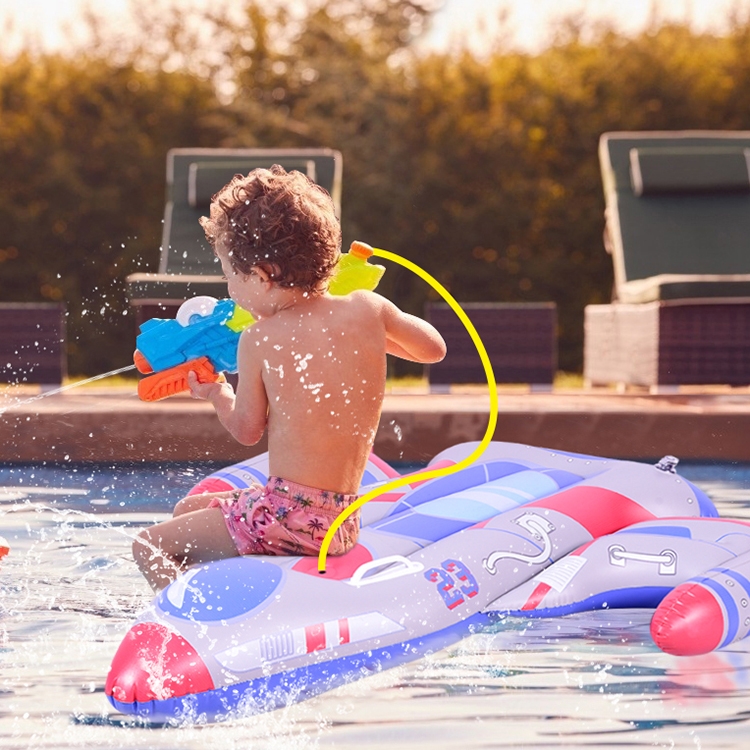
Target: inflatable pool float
point(249, 634)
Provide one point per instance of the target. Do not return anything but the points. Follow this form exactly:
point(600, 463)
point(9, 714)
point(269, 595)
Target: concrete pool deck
point(112, 425)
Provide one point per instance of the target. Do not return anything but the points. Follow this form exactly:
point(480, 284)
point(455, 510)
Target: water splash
point(69, 387)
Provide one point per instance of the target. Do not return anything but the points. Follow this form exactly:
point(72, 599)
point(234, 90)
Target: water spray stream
point(70, 386)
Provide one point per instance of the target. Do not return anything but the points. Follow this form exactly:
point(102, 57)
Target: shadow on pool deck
point(111, 424)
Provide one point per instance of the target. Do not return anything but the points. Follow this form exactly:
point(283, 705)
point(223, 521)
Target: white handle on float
point(403, 566)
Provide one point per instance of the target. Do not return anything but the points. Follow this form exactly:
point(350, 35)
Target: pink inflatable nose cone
point(154, 663)
point(689, 621)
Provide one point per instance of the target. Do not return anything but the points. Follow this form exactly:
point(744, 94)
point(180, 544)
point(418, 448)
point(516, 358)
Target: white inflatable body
point(249, 634)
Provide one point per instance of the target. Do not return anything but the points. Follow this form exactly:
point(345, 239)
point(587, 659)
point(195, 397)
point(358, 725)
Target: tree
point(83, 143)
point(484, 170)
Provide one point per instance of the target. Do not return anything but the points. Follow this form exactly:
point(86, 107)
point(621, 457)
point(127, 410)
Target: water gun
point(204, 336)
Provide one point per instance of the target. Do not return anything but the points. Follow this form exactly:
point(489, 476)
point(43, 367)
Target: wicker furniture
point(32, 343)
point(668, 343)
point(521, 341)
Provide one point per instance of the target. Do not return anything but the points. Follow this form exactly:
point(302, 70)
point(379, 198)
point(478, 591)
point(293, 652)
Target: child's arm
point(410, 337)
point(245, 413)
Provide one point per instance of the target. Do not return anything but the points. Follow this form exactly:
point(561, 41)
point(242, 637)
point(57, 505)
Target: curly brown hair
point(279, 221)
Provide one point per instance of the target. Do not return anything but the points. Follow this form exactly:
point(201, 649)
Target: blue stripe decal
point(462, 480)
point(733, 618)
point(462, 509)
point(707, 508)
point(368, 478)
point(441, 486)
point(645, 597)
point(232, 476)
point(744, 582)
point(285, 688)
point(663, 530)
point(563, 478)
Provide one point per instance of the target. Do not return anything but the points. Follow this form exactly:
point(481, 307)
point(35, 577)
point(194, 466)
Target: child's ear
point(262, 274)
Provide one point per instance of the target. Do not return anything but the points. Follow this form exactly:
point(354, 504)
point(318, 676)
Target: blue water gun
point(204, 336)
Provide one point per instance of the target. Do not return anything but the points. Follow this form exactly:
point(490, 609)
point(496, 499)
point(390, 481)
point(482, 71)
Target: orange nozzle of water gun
point(141, 363)
point(174, 380)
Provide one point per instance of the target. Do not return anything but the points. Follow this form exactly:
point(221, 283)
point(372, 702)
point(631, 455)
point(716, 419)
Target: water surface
point(69, 592)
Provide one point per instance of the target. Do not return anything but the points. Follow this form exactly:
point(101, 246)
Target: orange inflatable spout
point(174, 380)
point(361, 250)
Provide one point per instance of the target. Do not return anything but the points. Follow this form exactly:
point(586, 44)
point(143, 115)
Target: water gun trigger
point(174, 380)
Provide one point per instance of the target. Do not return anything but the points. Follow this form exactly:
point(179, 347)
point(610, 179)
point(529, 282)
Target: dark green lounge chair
point(187, 266)
point(677, 214)
point(678, 230)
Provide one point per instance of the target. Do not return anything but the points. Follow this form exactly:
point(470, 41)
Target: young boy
point(311, 370)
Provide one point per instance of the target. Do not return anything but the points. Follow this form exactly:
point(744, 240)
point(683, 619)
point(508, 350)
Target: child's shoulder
point(366, 299)
point(363, 297)
point(360, 303)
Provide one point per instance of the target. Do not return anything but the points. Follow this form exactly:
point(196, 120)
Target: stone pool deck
point(111, 424)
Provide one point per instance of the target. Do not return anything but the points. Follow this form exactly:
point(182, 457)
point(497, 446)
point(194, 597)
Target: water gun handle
point(174, 380)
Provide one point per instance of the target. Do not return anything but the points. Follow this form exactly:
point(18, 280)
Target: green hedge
point(483, 170)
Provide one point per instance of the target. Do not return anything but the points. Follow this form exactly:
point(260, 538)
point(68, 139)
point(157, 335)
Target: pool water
point(69, 591)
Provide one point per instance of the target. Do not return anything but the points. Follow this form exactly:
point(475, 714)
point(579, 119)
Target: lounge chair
point(187, 265)
point(678, 229)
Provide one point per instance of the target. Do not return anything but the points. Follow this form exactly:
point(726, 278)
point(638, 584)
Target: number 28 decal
point(454, 582)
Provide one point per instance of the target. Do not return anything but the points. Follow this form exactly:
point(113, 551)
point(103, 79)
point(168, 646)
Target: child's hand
point(206, 391)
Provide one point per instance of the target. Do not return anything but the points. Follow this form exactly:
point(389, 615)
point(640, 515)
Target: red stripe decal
point(315, 637)
point(536, 596)
point(581, 549)
point(389, 497)
point(386, 468)
point(344, 630)
point(598, 510)
point(211, 484)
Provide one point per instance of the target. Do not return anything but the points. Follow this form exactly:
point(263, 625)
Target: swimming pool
point(70, 590)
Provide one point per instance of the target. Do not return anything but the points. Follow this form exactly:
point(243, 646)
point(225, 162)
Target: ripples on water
point(69, 591)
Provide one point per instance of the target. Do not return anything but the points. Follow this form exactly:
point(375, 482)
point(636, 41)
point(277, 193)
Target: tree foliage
point(482, 169)
point(83, 145)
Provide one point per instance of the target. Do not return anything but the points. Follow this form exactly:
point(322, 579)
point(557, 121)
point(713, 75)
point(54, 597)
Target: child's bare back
point(323, 367)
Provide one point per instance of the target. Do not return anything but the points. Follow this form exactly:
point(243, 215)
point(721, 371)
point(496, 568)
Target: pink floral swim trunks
point(286, 518)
